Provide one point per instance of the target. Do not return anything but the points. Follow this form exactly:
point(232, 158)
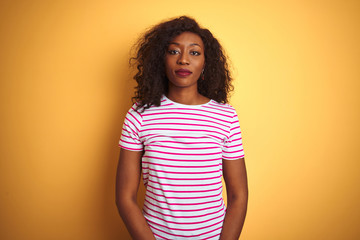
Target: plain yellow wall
point(65, 88)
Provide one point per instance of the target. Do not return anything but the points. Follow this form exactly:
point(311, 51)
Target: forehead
point(187, 38)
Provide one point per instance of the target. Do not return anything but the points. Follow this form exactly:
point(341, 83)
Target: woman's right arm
point(127, 183)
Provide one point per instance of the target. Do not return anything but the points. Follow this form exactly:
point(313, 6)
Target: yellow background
point(65, 89)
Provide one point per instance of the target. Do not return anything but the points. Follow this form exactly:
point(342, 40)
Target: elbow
point(121, 202)
point(124, 203)
point(238, 197)
point(121, 205)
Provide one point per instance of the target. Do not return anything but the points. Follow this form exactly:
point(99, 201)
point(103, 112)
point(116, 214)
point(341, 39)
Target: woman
point(184, 137)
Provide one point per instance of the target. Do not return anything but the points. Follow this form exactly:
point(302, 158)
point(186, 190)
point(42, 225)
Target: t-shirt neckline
point(186, 105)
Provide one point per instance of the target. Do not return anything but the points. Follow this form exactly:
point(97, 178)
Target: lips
point(183, 72)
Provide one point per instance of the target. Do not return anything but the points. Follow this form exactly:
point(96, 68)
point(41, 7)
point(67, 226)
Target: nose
point(183, 59)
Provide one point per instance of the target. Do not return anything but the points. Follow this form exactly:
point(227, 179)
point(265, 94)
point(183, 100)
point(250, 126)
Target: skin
point(186, 51)
point(234, 172)
point(127, 184)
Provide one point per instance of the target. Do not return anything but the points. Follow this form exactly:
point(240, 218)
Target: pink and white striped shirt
point(184, 146)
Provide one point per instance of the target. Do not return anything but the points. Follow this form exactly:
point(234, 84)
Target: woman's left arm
point(234, 172)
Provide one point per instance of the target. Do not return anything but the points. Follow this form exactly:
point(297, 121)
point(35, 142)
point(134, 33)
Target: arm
point(237, 197)
point(127, 183)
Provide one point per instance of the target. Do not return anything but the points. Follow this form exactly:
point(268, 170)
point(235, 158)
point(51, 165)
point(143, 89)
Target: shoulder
point(134, 113)
point(226, 107)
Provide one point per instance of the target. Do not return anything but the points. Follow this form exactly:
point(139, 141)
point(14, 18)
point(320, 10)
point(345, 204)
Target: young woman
point(183, 136)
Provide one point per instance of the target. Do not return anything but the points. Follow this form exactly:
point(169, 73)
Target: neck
point(186, 96)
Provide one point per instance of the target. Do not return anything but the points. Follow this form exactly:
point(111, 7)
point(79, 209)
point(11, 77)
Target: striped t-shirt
point(184, 146)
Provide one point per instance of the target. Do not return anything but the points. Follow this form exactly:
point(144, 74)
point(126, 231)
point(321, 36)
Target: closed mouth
point(183, 72)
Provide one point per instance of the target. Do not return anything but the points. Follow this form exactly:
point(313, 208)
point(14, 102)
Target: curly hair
point(149, 60)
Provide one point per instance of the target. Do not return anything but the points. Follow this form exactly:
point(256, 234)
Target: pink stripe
point(194, 114)
point(174, 191)
point(201, 110)
point(124, 135)
point(181, 160)
point(146, 172)
point(185, 185)
point(161, 237)
point(166, 105)
point(232, 151)
point(184, 223)
point(182, 166)
point(182, 204)
point(180, 130)
point(166, 136)
point(180, 229)
point(184, 124)
point(134, 110)
point(155, 145)
point(210, 237)
point(186, 154)
point(232, 146)
point(136, 117)
point(188, 143)
point(234, 128)
point(189, 179)
point(181, 118)
point(222, 106)
point(131, 149)
point(238, 157)
point(185, 210)
point(130, 142)
point(124, 130)
point(182, 216)
point(237, 139)
point(238, 133)
point(127, 124)
point(218, 109)
point(176, 235)
point(198, 197)
point(156, 170)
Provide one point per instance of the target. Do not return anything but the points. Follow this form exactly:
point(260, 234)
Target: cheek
point(201, 60)
point(168, 63)
point(168, 68)
point(201, 63)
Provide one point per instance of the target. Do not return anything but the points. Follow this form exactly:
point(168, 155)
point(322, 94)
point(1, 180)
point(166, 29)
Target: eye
point(173, 52)
point(195, 53)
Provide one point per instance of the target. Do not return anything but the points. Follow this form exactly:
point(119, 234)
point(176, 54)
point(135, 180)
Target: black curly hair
point(149, 60)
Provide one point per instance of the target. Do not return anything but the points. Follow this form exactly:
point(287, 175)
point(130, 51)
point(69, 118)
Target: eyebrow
point(192, 44)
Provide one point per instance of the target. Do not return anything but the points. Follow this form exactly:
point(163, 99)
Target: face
point(185, 60)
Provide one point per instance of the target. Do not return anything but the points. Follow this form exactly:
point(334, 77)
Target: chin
point(183, 84)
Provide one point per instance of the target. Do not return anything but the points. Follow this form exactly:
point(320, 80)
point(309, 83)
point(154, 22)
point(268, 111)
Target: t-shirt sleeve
point(130, 139)
point(233, 147)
